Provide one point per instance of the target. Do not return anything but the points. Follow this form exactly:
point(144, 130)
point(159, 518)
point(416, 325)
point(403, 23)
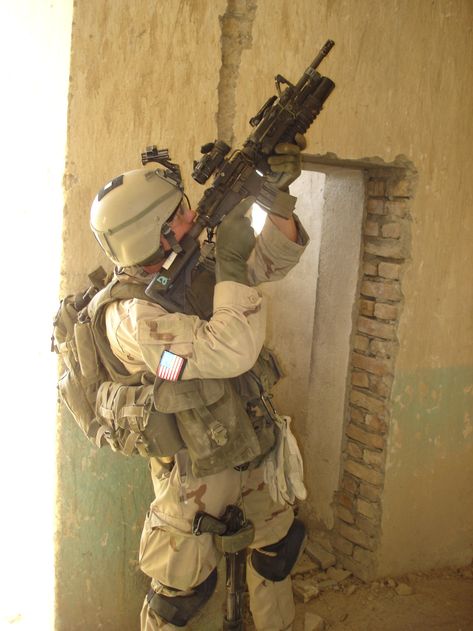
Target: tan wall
point(148, 72)
point(403, 75)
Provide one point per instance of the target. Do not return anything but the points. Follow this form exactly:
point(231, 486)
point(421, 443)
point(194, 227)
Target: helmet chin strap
point(168, 233)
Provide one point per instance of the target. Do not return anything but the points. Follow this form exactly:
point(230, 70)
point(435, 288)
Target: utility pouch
point(213, 423)
point(76, 389)
point(253, 387)
point(260, 379)
point(131, 424)
point(85, 350)
point(77, 395)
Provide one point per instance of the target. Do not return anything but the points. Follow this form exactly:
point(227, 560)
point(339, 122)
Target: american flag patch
point(170, 366)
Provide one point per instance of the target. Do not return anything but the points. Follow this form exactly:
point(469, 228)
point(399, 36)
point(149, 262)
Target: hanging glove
point(283, 467)
point(235, 242)
point(286, 163)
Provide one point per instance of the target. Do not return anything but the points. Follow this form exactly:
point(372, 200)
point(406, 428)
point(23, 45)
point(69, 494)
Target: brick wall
point(386, 243)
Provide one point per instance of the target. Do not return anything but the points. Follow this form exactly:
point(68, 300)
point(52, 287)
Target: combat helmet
point(130, 213)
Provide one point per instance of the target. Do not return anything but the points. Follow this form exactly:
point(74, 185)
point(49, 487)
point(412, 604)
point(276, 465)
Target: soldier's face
point(181, 223)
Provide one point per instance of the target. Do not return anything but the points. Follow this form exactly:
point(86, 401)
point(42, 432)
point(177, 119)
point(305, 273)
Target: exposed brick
point(363, 472)
point(381, 174)
point(342, 544)
point(376, 206)
point(357, 536)
point(388, 380)
point(369, 509)
point(382, 348)
point(365, 557)
point(399, 187)
point(361, 342)
point(387, 248)
point(367, 402)
point(376, 187)
point(321, 554)
point(375, 423)
point(386, 312)
point(354, 450)
point(345, 515)
point(367, 307)
point(383, 290)
point(376, 329)
point(371, 364)
point(344, 499)
point(357, 415)
point(391, 230)
point(370, 269)
point(360, 379)
point(349, 483)
point(366, 438)
point(371, 229)
point(380, 386)
point(373, 457)
point(389, 270)
point(366, 570)
point(398, 208)
point(369, 491)
point(368, 526)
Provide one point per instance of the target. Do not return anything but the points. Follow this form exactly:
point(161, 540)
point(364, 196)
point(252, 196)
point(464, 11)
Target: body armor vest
point(222, 422)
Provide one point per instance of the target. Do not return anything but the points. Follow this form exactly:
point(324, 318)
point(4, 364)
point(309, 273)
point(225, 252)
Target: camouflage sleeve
point(275, 255)
point(225, 346)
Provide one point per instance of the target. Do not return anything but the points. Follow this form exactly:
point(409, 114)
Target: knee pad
point(178, 610)
point(276, 561)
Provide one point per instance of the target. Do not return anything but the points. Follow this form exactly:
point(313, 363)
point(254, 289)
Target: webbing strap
point(134, 417)
point(216, 430)
point(132, 410)
point(99, 435)
point(106, 413)
point(130, 443)
point(96, 311)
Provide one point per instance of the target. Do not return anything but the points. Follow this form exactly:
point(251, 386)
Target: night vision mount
point(162, 157)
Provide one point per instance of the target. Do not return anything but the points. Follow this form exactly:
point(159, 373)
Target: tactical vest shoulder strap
point(96, 314)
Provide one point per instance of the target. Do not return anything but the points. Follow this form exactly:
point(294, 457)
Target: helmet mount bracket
point(161, 156)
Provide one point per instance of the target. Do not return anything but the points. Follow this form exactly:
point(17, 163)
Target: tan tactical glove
point(234, 244)
point(286, 163)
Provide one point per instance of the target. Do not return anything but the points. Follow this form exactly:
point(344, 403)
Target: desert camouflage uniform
point(226, 346)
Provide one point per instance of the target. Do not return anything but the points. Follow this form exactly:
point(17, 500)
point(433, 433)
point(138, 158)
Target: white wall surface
point(34, 66)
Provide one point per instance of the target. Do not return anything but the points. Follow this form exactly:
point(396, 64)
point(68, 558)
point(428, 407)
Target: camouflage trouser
point(175, 558)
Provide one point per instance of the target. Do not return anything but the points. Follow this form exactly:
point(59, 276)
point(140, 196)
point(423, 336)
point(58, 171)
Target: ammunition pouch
point(212, 421)
point(223, 422)
point(131, 424)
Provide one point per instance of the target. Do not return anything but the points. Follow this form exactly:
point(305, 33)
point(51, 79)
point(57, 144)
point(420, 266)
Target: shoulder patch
point(170, 366)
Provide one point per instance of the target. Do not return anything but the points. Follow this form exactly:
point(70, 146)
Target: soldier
point(230, 447)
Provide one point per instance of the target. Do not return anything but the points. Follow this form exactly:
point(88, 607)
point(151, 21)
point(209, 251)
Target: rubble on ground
point(313, 622)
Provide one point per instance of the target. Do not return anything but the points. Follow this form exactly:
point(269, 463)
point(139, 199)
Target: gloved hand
point(286, 163)
point(234, 244)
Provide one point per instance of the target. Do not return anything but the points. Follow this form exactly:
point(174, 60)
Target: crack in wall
point(236, 26)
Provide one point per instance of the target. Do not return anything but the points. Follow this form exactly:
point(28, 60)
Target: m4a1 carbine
point(243, 172)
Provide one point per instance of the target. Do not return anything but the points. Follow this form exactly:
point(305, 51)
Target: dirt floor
point(434, 601)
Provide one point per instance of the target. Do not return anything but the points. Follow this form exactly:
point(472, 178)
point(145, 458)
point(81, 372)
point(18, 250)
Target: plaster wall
point(151, 72)
point(141, 73)
point(403, 75)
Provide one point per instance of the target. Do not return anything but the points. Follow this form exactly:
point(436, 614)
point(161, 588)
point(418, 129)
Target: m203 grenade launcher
point(243, 172)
